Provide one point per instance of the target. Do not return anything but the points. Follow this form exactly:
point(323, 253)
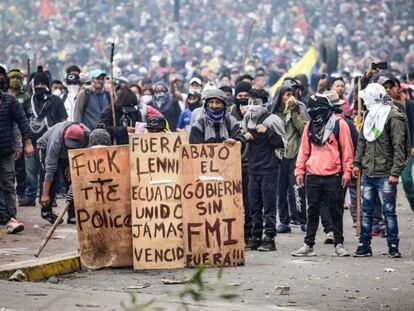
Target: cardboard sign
point(101, 189)
point(157, 231)
point(212, 205)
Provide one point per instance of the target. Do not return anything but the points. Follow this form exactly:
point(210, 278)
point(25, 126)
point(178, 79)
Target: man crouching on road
point(53, 149)
point(382, 151)
point(326, 155)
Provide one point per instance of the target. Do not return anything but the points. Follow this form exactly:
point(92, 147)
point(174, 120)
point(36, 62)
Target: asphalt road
point(268, 281)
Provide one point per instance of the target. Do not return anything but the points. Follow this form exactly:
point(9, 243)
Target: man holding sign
point(215, 126)
point(266, 135)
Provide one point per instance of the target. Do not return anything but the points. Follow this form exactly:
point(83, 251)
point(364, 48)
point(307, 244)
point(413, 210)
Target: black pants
point(246, 205)
point(20, 169)
point(63, 167)
point(7, 186)
point(262, 196)
point(291, 200)
point(324, 191)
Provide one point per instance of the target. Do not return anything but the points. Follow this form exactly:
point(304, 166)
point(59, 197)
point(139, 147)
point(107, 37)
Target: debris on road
point(18, 276)
point(283, 290)
point(139, 286)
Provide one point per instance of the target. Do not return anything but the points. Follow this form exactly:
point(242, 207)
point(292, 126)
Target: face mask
point(215, 115)
point(40, 91)
point(145, 99)
point(195, 90)
point(160, 98)
point(16, 84)
point(242, 101)
point(57, 92)
point(73, 89)
point(253, 108)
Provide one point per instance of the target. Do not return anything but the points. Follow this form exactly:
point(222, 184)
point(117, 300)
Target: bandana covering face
point(215, 115)
point(322, 120)
point(375, 100)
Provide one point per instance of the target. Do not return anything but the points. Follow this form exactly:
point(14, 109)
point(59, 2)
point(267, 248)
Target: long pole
point(52, 230)
point(246, 47)
point(113, 96)
point(358, 224)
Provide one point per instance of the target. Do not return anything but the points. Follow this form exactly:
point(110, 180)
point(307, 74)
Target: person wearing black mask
point(166, 104)
point(126, 114)
point(238, 110)
point(43, 110)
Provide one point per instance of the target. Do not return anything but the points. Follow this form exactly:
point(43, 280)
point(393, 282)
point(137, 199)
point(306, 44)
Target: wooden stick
point(113, 95)
point(52, 230)
point(358, 224)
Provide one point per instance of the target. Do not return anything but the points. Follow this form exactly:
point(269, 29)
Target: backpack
point(88, 96)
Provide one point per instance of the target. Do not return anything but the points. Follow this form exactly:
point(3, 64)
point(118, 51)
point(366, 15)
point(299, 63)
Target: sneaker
point(71, 220)
point(304, 251)
point(363, 251)
point(27, 202)
point(393, 251)
point(341, 251)
point(253, 244)
point(294, 222)
point(329, 238)
point(383, 231)
point(50, 217)
point(268, 245)
point(375, 230)
point(14, 226)
point(303, 227)
point(283, 228)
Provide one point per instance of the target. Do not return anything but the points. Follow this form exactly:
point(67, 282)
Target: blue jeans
point(371, 187)
point(32, 176)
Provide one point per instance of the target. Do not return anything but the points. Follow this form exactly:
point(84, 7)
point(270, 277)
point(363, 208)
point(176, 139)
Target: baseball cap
point(319, 100)
point(73, 78)
point(385, 79)
point(96, 73)
point(74, 136)
point(195, 80)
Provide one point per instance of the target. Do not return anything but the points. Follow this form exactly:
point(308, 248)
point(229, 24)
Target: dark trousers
point(63, 167)
point(246, 205)
point(33, 167)
point(328, 191)
point(291, 200)
point(262, 196)
point(7, 178)
point(20, 169)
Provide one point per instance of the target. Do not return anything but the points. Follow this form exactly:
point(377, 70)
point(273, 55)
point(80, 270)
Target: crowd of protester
point(303, 148)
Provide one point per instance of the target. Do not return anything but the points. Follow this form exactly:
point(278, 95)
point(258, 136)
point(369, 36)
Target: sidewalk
point(22, 246)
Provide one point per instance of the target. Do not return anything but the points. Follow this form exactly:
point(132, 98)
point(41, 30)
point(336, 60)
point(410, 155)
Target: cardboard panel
point(212, 205)
point(101, 188)
point(156, 200)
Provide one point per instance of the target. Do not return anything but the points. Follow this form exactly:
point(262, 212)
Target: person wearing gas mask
point(166, 104)
point(92, 101)
point(126, 115)
point(215, 125)
point(73, 83)
point(266, 137)
point(193, 101)
point(43, 110)
point(291, 200)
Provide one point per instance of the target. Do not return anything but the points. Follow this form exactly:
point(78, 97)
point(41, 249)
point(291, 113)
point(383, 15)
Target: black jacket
point(125, 117)
point(11, 111)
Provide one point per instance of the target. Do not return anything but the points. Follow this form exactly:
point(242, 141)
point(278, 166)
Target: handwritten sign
point(101, 185)
point(157, 231)
point(212, 205)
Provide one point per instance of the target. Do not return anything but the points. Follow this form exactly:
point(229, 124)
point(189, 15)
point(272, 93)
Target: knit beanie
point(99, 137)
point(242, 86)
point(41, 77)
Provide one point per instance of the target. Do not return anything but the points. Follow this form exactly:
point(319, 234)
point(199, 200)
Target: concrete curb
point(39, 269)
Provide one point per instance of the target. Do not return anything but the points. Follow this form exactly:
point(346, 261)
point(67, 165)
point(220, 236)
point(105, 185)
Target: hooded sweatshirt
point(170, 108)
point(264, 147)
point(294, 121)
